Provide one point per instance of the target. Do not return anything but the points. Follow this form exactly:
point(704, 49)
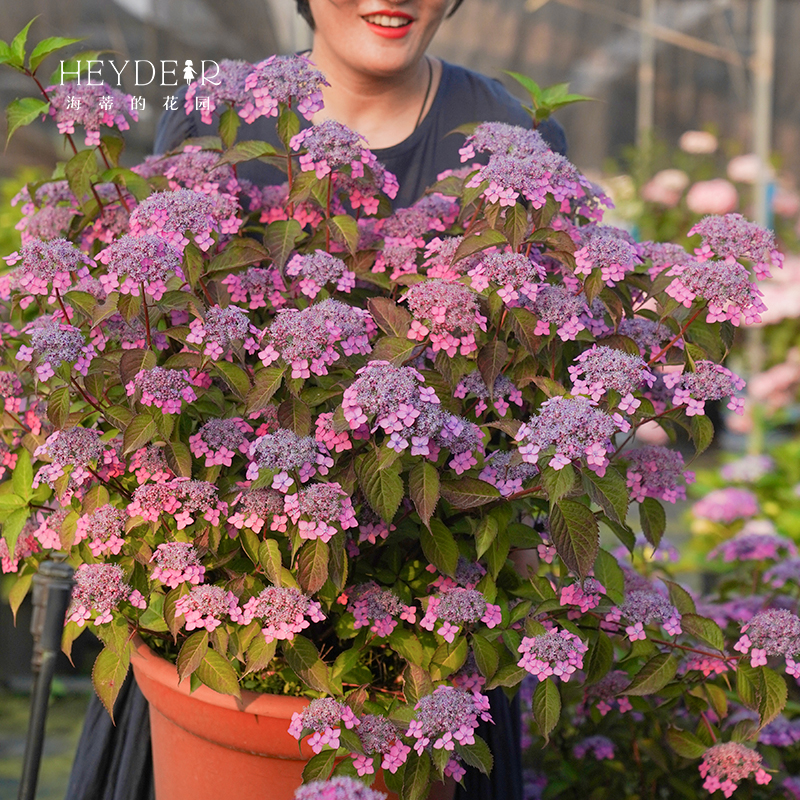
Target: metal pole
point(645, 98)
point(52, 587)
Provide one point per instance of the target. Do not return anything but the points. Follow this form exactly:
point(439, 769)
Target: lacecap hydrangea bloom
point(379, 737)
point(282, 612)
point(727, 763)
point(323, 719)
point(554, 653)
point(377, 608)
point(90, 105)
point(774, 632)
point(447, 717)
point(339, 787)
point(176, 563)
point(98, 590)
point(449, 610)
point(206, 606)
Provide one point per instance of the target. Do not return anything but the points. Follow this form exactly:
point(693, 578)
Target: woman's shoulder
point(469, 96)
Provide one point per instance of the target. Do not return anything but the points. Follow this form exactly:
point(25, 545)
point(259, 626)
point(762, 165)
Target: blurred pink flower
point(744, 169)
point(716, 196)
point(786, 202)
point(666, 187)
point(698, 142)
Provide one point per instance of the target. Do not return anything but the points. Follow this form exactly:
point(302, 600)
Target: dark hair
point(304, 10)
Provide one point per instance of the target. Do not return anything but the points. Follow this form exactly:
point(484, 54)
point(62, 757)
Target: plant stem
point(677, 336)
point(146, 317)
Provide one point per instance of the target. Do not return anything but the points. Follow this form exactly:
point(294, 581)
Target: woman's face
point(377, 38)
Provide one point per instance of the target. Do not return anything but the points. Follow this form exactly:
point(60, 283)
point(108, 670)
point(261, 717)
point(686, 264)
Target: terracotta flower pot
point(210, 746)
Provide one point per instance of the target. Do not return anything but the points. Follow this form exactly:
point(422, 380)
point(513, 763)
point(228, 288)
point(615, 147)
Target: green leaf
point(558, 482)
point(546, 707)
point(524, 325)
point(680, 598)
point(13, 525)
point(119, 416)
point(685, 744)
point(229, 122)
point(246, 151)
point(22, 112)
point(280, 238)
point(58, 407)
point(440, 547)
point(599, 659)
point(744, 731)
point(320, 766)
point(486, 656)
point(22, 476)
point(133, 361)
point(134, 183)
point(705, 629)
point(491, 360)
point(653, 519)
point(18, 44)
point(295, 415)
point(303, 658)
point(81, 171)
point(179, 459)
point(423, 487)
point(747, 684)
point(609, 492)
point(382, 488)
point(516, 225)
point(653, 676)
point(10, 502)
point(509, 675)
point(608, 571)
point(394, 350)
point(288, 126)
point(312, 565)
point(266, 382)
point(269, 556)
point(108, 674)
point(467, 493)
point(480, 240)
point(241, 252)
point(772, 695)
point(486, 534)
point(702, 432)
point(575, 535)
point(391, 318)
point(497, 554)
point(216, 672)
point(406, 644)
point(344, 229)
point(416, 779)
point(46, 47)
point(192, 653)
point(417, 683)
point(477, 755)
point(235, 377)
point(259, 654)
point(139, 432)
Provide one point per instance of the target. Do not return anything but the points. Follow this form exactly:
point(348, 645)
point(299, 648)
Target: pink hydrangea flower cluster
point(504, 475)
point(474, 384)
point(256, 287)
point(787, 569)
point(306, 339)
point(98, 590)
point(585, 594)
point(727, 763)
point(650, 336)
point(339, 787)
point(774, 632)
point(53, 343)
point(11, 392)
point(150, 464)
point(643, 607)
point(606, 694)
point(514, 273)
point(90, 105)
point(576, 428)
point(177, 563)
point(407, 226)
point(145, 261)
point(104, 528)
point(502, 138)
point(206, 606)
point(128, 335)
point(221, 329)
point(282, 612)
point(220, 439)
point(283, 452)
point(709, 381)
point(253, 508)
point(555, 653)
point(379, 736)
point(601, 747)
point(733, 237)
point(47, 213)
point(26, 545)
point(72, 447)
point(397, 260)
point(378, 608)
point(292, 80)
point(556, 305)
point(192, 168)
point(273, 203)
point(600, 369)
point(439, 258)
point(47, 267)
point(318, 269)
point(225, 87)
point(726, 505)
point(612, 250)
point(447, 717)
point(657, 472)
point(747, 469)
point(170, 215)
point(315, 509)
point(163, 388)
point(323, 718)
point(48, 534)
point(448, 313)
point(755, 542)
point(455, 607)
point(663, 256)
point(181, 498)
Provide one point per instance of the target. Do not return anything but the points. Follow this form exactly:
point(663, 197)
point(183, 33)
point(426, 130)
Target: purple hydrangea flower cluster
point(47, 267)
point(606, 694)
point(323, 718)
point(644, 607)
point(53, 343)
point(663, 256)
point(253, 508)
point(407, 226)
point(225, 87)
point(726, 505)
point(585, 594)
point(474, 384)
point(339, 787)
point(282, 611)
point(504, 475)
point(48, 534)
point(305, 339)
point(601, 747)
point(177, 563)
point(104, 528)
point(447, 717)
point(283, 452)
point(502, 138)
point(317, 507)
point(26, 545)
point(135, 261)
point(747, 469)
point(787, 569)
point(575, 427)
point(318, 269)
point(555, 653)
point(98, 590)
point(612, 250)
point(515, 274)
point(556, 305)
point(192, 168)
point(727, 763)
point(181, 498)
point(378, 608)
point(220, 329)
point(256, 287)
point(709, 381)
point(220, 439)
point(206, 607)
point(650, 336)
point(76, 447)
point(456, 607)
point(755, 542)
point(600, 369)
point(163, 388)
point(90, 105)
point(781, 732)
point(150, 464)
point(774, 632)
point(379, 736)
point(658, 472)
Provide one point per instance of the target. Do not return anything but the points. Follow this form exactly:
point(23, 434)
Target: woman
point(404, 102)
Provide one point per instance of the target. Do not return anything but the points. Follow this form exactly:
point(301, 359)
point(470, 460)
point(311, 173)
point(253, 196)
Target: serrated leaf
point(491, 360)
point(235, 377)
point(246, 151)
point(22, 112)
point(608, 571)
point(486, 656)
point(680, 598)
point(10, 502)
point(417, 683)
point(705, 629)
point(773, 694)
point(524, 324)
point(685, 744)
point(108, 675)
point(134, 183)
point(702, 432)
point(485, 535)
point(468, 493)
point(13, 525)
point(295, 415)
point(416, 779)
point(391, 318)
point(242, 252)
point(653, 519)
point(312, 565)
point(423, 488)
point(609, 492)
point(575, 535)
point(558, 482)
point(480, 240)
point(303, 658)
point(46, 47)
point(216, 672)
point(259, 654)
point(382, 488)
point(599, 659)
point(266, 382)
point(22, 476)
point(229, 122)
point(344, 229)
point(394, 350)
point(477, 755)
point(141, 429)
point(546, 707)
point(280, 238)
point(58, 407)
point(509, 675)
point(81, 171)
point(119, 416)
point(440, 547)
point(269, 556)
point(133, 361)
point(747, 684)
point(192, 653)
point(320, 766)
point(653, 676)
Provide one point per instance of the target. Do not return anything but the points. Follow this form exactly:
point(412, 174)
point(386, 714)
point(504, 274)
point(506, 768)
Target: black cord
point(427, 92)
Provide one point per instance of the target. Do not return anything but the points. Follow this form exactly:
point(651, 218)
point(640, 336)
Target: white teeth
point(386, 21)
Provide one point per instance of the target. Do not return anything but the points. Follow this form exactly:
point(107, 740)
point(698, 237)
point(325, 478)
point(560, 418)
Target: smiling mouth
point(385, 21)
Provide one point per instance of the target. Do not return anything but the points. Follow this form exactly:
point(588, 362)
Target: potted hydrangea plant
point(292, 441)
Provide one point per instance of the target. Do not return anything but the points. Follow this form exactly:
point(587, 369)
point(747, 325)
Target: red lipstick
point(386, 32)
